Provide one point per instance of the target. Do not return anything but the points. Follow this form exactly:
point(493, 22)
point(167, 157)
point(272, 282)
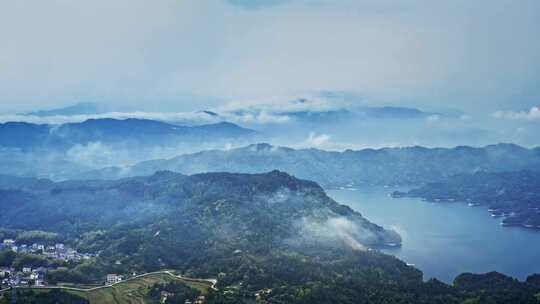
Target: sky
point(476, 56)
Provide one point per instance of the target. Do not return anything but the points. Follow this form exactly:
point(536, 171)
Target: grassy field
point(133, 291)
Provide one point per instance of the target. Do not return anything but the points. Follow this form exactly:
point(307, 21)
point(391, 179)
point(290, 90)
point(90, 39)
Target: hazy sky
point(185, 55)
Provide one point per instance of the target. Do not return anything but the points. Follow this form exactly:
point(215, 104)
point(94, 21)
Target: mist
point(472, 66)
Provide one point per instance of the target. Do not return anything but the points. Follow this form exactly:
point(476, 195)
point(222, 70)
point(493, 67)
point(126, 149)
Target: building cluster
point(35, 276)
point(28, 276)
point(260, 295)
point(199, 300)
point(58, 251)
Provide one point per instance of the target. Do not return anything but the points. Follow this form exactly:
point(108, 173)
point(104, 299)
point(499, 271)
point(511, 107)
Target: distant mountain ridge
point(82, 108)
point(392, 112)
point(386, 166)
point(514, 196)
point(313, 115)
point(35, 136)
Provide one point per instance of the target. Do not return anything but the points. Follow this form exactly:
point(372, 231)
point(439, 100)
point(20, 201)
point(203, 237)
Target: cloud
point(532, 114)
point(262, 117)
point(93, 154)
point(323, 226)
point(348, 231)
point(318, 140)
point(180, 117)
point(187, 118)
point(193, 54)
point(273, 111)
point(285, 104)
point(333, 231)
point(433, 118)
point(276, 110)
point(256, 4)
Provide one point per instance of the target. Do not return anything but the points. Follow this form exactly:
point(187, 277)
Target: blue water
point(446, 239)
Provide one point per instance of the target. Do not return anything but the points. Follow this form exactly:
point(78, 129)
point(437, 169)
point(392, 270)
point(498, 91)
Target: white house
point(9, 242)
point(5, 272)
point(113, 278)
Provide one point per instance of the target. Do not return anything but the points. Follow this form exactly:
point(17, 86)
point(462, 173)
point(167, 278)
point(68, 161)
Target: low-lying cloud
point(284, 104)
point(532, 114)
point(332, 231)
point(251, 113)
point(318, 140)
point(183, 117)
point(258, 117)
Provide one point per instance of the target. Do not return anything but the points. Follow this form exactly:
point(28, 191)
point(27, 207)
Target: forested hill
point(387, 166)
point(270, 232)
point(233, 209)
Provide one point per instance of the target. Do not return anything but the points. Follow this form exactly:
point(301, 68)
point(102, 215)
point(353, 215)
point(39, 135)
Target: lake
point(446, 239)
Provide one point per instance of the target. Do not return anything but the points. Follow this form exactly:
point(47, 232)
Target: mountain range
point(28, 136)
point(387, 166)
point(82, 108)
point(312, 115)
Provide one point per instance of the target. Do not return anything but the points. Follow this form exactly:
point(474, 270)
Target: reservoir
point(446, 239)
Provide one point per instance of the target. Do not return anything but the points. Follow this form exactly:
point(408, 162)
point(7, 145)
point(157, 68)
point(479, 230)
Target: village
point(35, 276)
